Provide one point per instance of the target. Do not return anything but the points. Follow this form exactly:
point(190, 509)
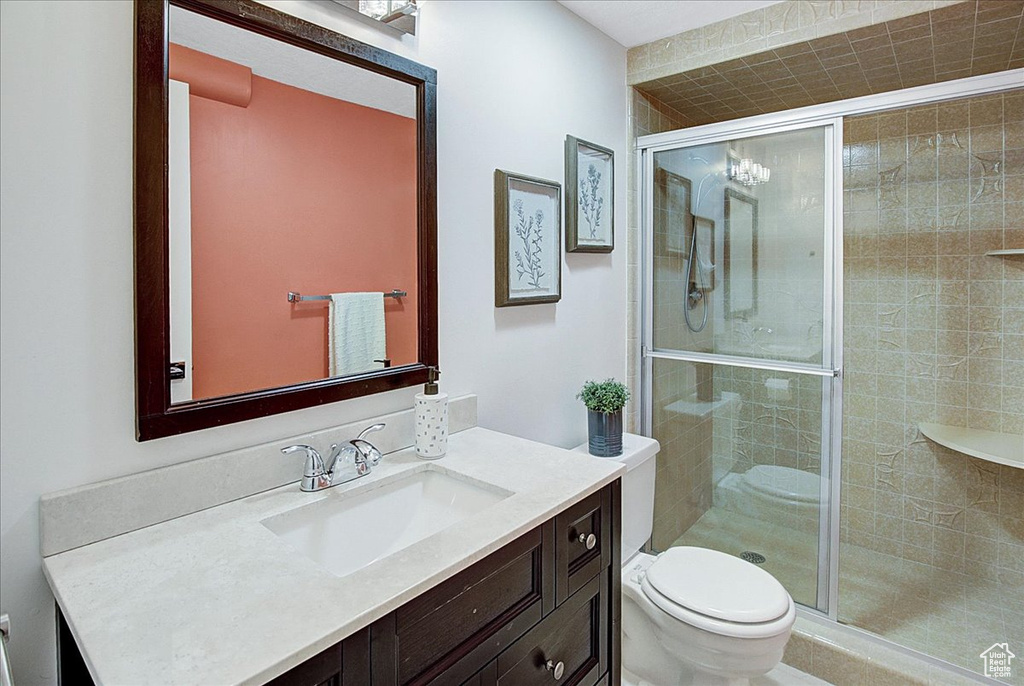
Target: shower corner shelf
point(1011, 252)
point(1000, 448)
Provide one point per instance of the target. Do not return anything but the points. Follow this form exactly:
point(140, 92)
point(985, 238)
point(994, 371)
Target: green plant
point(607, 396)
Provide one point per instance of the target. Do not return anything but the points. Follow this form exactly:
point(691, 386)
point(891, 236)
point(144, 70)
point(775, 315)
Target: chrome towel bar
point(294, 297)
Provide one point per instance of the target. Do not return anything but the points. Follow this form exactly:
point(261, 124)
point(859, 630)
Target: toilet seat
point(784, 483)
point(718, 593)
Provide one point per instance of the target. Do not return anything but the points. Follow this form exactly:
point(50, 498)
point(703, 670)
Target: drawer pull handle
point(589, 540)
point(557, 669)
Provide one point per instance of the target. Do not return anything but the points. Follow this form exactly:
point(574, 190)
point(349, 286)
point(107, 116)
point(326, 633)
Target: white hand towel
point(356, 332)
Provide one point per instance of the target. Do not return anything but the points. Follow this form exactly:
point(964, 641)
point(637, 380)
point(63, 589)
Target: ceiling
point(966, 39)
point(635, 22)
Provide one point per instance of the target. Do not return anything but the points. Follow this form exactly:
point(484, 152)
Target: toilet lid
point(785, 482)
point(718, 585)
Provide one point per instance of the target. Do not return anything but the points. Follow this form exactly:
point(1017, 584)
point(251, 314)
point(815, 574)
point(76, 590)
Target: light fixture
point(387, 10)
point(748, 172)
point(398, 14)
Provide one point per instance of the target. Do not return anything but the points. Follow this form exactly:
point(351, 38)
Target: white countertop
point(216, 598)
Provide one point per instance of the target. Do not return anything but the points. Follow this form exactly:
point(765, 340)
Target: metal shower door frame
point(832, 344)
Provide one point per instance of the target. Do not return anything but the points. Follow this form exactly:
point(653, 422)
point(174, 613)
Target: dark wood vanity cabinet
point(545, 605)
point(544, 609)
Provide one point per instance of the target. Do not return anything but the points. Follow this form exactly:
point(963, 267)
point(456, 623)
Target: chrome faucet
point(354, 459)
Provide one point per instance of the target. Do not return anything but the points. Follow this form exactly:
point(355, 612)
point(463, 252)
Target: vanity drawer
point(451, 631)
point(582, 543)
point(572, 639)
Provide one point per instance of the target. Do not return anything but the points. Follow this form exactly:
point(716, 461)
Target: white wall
point(514, 79)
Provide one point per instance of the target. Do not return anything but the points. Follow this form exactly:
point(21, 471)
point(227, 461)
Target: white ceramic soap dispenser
point(431, 419)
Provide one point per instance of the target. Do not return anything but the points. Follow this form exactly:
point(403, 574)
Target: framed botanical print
point(589, 197)
point(527, 246)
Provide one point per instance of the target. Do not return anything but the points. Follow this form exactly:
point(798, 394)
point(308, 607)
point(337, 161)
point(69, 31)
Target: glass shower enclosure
point(741, 345)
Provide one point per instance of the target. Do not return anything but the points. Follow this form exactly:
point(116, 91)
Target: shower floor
point(947, 615)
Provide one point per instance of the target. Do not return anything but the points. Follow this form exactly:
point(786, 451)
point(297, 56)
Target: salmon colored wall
point(210, 77)
point(296, 192)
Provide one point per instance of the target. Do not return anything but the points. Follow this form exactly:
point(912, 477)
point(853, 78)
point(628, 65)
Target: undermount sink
point(346, 531)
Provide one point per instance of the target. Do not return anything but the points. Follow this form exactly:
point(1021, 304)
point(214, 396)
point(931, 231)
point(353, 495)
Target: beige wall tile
point(938, 331)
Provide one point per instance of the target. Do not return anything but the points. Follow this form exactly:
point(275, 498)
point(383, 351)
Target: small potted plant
point(604, 402)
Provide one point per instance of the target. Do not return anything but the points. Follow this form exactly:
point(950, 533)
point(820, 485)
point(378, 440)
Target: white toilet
point(690, 615)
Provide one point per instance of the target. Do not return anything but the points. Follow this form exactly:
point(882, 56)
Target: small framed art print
point(589, 197)
point(527, 245)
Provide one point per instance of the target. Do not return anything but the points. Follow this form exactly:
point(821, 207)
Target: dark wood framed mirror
point(259, 383)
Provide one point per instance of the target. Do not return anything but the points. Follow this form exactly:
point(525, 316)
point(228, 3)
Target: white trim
point(907, 97)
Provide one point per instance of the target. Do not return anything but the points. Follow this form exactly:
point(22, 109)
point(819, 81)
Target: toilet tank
point(638, 455)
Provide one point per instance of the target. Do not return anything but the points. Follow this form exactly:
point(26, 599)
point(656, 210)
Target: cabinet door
point(343, 664)
point(569, 647)
point(454, 629)
point(582, 543)
point(323, 669)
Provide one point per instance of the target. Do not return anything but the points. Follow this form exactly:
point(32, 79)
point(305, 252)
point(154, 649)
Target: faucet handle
point(368, 451)
point(314, 463)
point(371, 454)
point(314, 476)
point(370, 429)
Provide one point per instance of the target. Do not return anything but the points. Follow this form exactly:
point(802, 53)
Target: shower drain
point(750, 556)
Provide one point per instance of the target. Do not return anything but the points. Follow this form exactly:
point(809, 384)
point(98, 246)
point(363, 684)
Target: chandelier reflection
point(748, 172)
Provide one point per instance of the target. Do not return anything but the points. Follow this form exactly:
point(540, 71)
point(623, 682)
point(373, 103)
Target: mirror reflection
point(398, 14)
point(291, 175)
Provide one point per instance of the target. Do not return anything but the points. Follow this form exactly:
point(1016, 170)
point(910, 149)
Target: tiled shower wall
point(934, 332)
point(646, 115)
point(683, 486)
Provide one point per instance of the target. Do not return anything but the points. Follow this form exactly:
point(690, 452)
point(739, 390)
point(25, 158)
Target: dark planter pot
point(605, 432)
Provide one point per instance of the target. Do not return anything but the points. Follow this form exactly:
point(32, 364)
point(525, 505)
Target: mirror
point(285, 216)
point(740, 255)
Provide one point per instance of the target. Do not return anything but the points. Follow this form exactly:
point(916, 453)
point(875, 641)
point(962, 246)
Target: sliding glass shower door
point(740, 346)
